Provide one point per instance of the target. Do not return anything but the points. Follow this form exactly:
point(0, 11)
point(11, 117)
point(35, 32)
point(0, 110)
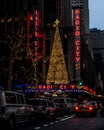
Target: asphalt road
point(67, 122)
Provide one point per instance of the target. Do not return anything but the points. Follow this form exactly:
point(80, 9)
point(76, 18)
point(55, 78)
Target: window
point(34, 102)
point(18, 98)
point(22, 99)
point(11, 98)
point(59, 100)
point(26, 100)
point(42, 102)
point(49, 103)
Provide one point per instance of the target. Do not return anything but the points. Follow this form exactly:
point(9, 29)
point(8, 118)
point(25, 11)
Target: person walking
point(101, 105)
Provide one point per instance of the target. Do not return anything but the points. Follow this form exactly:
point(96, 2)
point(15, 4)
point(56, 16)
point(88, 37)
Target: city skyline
point(96, 15)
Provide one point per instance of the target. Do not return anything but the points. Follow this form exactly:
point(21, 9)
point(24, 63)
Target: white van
point(14, 108)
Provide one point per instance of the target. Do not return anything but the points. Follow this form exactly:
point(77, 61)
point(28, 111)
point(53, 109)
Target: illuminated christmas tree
point(57, 72)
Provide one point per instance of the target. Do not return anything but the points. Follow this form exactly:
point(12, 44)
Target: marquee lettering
point(77, 33)
point(77, 17)
point(77, 53)
point(77, 59)
point(69, 87)
point(77, 11)
point(62, 86)
point(77, 22)
point(77, 48)
point(77, 36)
point(77, 42)
point(77, 28)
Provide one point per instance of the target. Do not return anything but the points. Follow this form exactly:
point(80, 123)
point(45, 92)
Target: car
point(14, 108)
point(58, 109)
point(74, 102)
point(86, 108)
point(43, 108)
point(64, 103)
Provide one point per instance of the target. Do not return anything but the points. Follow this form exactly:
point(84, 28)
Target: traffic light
point(80, 83)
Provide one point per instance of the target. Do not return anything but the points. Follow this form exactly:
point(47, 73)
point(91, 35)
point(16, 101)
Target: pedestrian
point(101, 105)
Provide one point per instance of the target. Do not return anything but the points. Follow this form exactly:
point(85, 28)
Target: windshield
point(59, 100)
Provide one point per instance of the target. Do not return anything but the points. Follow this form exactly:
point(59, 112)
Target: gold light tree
point(57, 72)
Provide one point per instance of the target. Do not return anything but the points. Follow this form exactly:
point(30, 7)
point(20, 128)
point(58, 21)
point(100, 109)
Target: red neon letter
point(77, 33)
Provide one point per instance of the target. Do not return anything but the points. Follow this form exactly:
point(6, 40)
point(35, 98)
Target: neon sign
point(36, 32)
point(77, 35)
point(77, 41)
point(55, 87)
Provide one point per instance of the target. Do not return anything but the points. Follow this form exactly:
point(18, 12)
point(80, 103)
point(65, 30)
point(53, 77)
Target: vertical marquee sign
point(36, 17)
point(33, 34)
point(36, 32)
point(77, 42)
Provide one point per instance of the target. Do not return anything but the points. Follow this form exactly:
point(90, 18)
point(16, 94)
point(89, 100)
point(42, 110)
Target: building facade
point(97, 40)
point(17, 19)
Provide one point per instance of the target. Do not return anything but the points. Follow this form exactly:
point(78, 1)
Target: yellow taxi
point(86, 108)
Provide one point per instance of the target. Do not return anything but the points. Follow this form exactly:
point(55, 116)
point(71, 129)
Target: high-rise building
point(97, 41)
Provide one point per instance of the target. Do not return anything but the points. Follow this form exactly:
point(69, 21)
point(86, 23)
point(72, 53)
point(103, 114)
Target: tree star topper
point(57, 22)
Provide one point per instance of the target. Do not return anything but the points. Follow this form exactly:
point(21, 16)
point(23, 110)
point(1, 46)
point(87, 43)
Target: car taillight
point(76, 107)
point(50, 109)
point(54, 108)
point(90, 108)
point(2, 110)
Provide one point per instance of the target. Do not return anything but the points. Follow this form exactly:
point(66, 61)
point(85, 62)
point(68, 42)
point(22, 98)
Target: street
point(66, 122)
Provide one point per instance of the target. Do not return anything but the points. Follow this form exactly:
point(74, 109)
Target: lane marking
point(56, 121)
point(51, 123)
point(45, 125)
point(37, 128)
point(67, 118)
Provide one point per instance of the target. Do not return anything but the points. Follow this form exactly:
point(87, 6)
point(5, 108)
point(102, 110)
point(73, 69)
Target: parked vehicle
point(14, 108)
point(58, 109)
point(64, 103)
point(86, 108)
point(43, 108)
point(74, 102)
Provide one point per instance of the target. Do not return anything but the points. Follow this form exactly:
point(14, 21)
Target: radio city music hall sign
point(77, 37)
point(55, 87)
